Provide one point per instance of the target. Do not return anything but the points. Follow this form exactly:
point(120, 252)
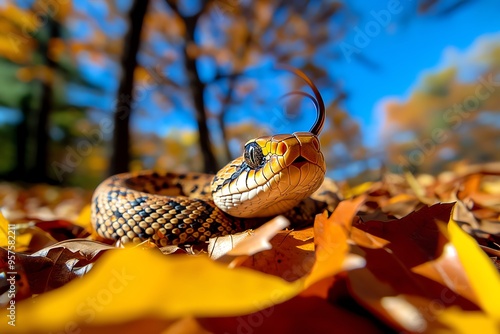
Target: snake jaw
point(293, 168)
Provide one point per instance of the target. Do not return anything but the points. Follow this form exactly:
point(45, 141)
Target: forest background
point(93, 88)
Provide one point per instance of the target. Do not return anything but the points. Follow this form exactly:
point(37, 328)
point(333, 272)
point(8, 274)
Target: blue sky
point(403, 49)
point(407, 47)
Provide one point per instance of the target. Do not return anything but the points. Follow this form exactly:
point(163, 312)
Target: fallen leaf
point(481, 272)
point(460, 321)
point(448, 271)
point(4, 231)
point(12, 236)
point(84, 218)
point(330, 238)
point(396, 253)
point(130, 284)
point(121, 286)
point(301, 314)
point(291, 256)
point(227, 249)
point(58, 264)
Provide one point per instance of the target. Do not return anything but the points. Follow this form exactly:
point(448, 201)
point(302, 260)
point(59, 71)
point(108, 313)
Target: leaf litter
point(408, 253)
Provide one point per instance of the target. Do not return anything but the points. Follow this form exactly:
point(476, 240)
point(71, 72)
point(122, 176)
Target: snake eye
point(253, 155)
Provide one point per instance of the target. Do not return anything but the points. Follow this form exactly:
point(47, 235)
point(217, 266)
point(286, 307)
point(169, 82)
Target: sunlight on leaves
point(331, 240)
point(404, 313)
point(83, 219)
point(411, 273)
point(358, 190)
point(4, 228)
point(483, 275)
point(291, 256)
point(227, 248)
point(132, 283)
point(19, 236)
point(463, 322)
point(448, 271)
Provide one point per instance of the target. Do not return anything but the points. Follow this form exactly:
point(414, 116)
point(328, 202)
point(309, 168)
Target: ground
point(412, 253)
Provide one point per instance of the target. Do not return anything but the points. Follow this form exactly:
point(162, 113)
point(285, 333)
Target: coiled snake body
point(274, 175)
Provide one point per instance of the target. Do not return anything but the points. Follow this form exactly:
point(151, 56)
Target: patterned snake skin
point(275, 175)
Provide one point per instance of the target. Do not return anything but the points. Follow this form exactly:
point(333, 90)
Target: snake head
point(272, 176)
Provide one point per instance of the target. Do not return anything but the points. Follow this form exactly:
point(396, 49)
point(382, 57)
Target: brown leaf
point(228, 248)
point(61, 229)
point(298, 315)
point(448, 271)
point(14, 284)
point(416, 232)
point(397, 257)
point(58, 264)
point(291, 255)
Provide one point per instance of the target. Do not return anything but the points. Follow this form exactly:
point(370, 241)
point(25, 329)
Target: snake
point(274, 175)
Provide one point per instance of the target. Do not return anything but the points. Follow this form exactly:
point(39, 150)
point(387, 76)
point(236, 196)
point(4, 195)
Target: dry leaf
point(227, 249)
point(397, 257)
point(291, 256)
point(58, 264)
point(126, 282)
point(481, 272)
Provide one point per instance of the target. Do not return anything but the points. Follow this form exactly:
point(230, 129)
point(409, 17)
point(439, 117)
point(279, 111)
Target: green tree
point(36, 66)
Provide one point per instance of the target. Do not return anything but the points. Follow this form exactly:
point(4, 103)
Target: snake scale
point(275, 175)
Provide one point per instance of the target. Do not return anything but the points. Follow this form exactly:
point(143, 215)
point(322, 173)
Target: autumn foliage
point(409, 246)
point(393, 255)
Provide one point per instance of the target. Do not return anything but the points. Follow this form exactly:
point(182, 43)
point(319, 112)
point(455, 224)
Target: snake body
point(273, 176)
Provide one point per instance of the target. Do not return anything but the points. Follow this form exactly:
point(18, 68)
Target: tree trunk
point(39, 169)
point(121, 135)
point(197, 89)
point(20, 171)
point(222, 122)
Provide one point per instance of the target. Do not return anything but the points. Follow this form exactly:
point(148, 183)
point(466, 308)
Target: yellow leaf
point(83, 219)
point(133, 284)
point(130, 284)
point(25, 20)
point(401, 198)
point(16, 48)
point(4, 231)
point(483, 276)
point(14, 237)
point(358, 190)
point(418, 189)
point(460, 321)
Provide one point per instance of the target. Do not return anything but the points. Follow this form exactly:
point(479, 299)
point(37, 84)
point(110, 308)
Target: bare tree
point(41, 128)
point(121, 136)
point(196, 85)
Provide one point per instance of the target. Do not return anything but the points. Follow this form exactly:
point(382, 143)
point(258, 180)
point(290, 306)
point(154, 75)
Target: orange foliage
point(419, 273)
